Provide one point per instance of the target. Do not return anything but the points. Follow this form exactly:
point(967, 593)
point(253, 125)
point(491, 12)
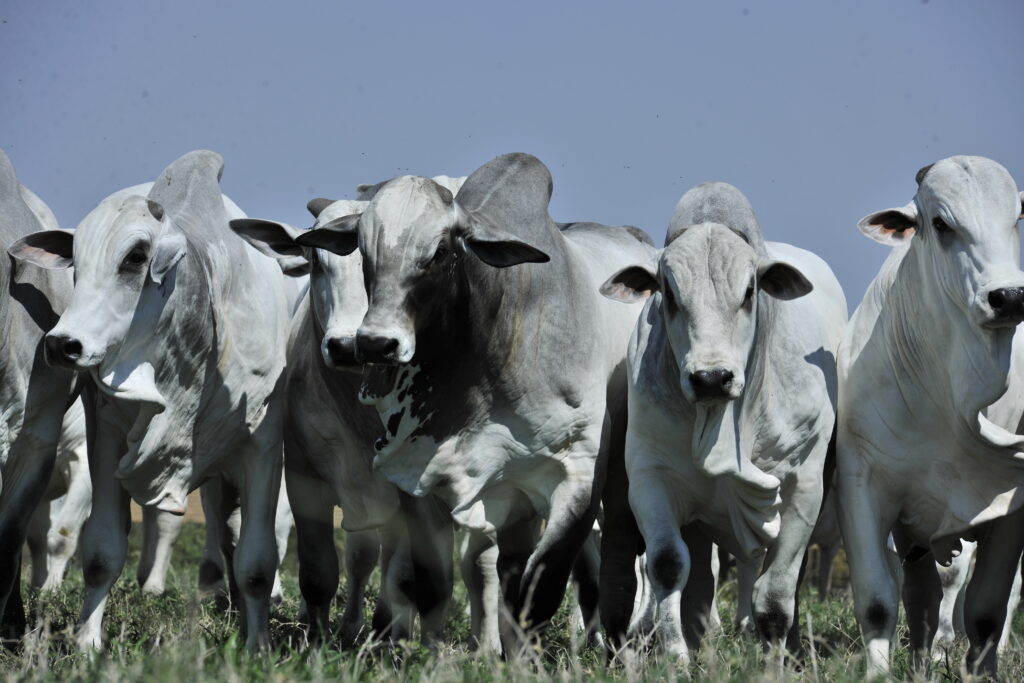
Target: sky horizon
point(819, 112)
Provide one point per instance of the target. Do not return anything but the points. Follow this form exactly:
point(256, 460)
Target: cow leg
point(362, 550)
point(282, 530)
point(668, 558)
point(620, 545)
point(432, 543)
point(1011, 609)
point(865, 517)
point(573, 511)
point(25, 478)
point(746, 574)
point(105, 534)
point(826, 558)
point(255, 561)
point(160, 530)
point(922, 593)
point(36, 537)
point(383, 615)
point(586, 575)
point(775, 591)
point(223, 521)
point(314, 535)
point(714, 616)
point(62, 539)
point(398, 581)
point(516, 542)
point(695, 602)
point(480, 574)
point(14, 621)
point(997, 560)
point(953, 584)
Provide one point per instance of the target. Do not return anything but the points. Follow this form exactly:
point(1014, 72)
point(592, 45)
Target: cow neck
point(929, 337)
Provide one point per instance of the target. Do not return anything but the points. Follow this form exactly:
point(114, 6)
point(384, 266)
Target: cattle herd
point(455, 370)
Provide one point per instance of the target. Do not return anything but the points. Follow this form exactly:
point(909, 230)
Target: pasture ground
point(177, 638)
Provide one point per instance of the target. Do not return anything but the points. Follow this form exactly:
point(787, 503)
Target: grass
point(177, 638)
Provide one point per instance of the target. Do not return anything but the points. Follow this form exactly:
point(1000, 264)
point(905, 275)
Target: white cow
point(33, 395)
point(183, 330)
point(731, 395)
point(930, 395)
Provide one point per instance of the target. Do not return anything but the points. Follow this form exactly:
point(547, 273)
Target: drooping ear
point(340, 236)
point(47, 249)
point(169, 249)
point(631, 284)
point(892, 226)
point(493, 245)
point(782, 281)
point(276, 240)
point(315, 206)
point(273, 239)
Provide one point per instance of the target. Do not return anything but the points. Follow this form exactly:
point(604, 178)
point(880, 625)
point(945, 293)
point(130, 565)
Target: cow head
point(962, 230)
point(708, 282)
point(122, 246)
point(412, 236)
point(336, 288)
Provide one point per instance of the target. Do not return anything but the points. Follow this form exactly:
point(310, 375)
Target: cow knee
point(986, 629)
point(878, 617)
point(773, 620)
point(97, 570)
point(667, 567)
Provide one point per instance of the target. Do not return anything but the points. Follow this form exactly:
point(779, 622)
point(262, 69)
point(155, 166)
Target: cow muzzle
point(381, 348)
point(61, 350)
point(1007, 304)
point(339, 352)
point(710, 385)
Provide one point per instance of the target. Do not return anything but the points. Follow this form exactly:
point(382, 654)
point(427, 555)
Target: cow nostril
point(374, 347)
point(713, 383)
point(341, 350)
point(72, 349)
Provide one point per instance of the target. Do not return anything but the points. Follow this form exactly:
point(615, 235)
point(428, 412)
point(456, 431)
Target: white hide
point(922, 438)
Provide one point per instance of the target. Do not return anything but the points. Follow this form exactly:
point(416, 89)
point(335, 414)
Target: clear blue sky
point(819, 111)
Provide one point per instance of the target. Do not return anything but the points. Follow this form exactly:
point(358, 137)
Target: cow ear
point(270, 238)
point(1021, 216)
point(492, 245)
point(340, 236)
point(169, 249)
point(47, 249)
point(782, 281)
point(892, 227)
point(631, 284)
point(276, 240)
point(315, 206)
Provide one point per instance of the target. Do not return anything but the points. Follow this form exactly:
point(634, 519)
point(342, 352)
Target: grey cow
point(183, 329)
point(33, 394)
point(732, 390)
point(497, 369)
point(329, 440)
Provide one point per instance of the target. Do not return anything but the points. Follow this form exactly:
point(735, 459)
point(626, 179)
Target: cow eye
point(941, 228)
point(135, 258)
point(440, 255)
point(748, 296)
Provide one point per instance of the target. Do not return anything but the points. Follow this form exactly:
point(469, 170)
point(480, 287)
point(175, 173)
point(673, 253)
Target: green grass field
point(177, 638)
